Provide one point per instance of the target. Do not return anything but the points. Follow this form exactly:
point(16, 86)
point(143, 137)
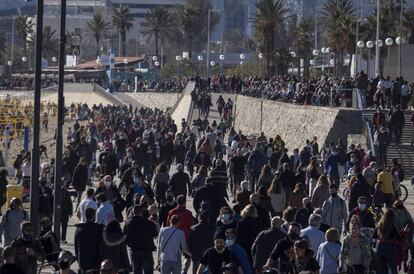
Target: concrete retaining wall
point(295, 123)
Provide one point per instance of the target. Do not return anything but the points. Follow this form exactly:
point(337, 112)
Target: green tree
point(409, 25)
point(158, 26)
point(303, 43)
point(98, 28)
point(339, 20)
point(122, 20)
point(269, 17)
point(24, 28)
point(50, 43)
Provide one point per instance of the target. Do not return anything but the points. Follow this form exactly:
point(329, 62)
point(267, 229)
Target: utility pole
point(356, 40)
point(377, 47)
point(401, 41)
point(208, 40)
point(60, 120)
point(34, 184)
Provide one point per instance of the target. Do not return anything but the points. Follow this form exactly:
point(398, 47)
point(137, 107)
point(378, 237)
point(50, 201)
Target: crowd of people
point(24, 84)
point(256, 206)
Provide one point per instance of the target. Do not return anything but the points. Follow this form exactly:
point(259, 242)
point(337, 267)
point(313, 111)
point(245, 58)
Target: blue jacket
point(242, 256)
point(256, 161)
point(331, 165)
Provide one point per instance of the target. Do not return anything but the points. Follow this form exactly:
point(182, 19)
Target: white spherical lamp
point(360, 44)
point(157, 63)
point(398, 40)
point(370, 44)
point(200, 58)
point(260, 55)
point(221, 57)
point(380, 43)
point(10, 63)
point(154, 58)
point(54, 59)
point(389, 41)
point(24, 59)
point(242, 56)
point(312, 62)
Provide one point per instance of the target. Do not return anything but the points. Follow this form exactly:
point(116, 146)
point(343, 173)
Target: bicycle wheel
point(403, 193)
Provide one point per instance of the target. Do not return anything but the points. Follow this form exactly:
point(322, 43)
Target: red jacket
point(186, 219)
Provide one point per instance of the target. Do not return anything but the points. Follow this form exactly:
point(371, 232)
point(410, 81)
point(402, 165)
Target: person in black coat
point(88, 237)
point(108, 162)
point(141, 233)
point(80, 179)
point(3, 187)
point(200, 239)
point(248, 229)
point(206, 198)
point(180, 182)
point(262, 214)
point(113, 247)
point(303, 214)
point(66, 210)
point(359, 188)
point(265, 242)
point(45, 199)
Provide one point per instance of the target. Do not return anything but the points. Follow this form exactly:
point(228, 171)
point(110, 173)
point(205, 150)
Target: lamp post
point(24, 60)
point(315, 53)
point(260, 55)
point(242, 56)
point(398, 41)
point(178, 59)
point(323, 51)
point(293, 55)
point(208, 39)
point(369, 45)
point(389, 42)
point(360, 46)
point(221, 57)
point(200, 60)
point(377, 38)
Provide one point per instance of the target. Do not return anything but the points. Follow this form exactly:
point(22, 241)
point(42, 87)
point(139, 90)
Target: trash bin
point(13, 191)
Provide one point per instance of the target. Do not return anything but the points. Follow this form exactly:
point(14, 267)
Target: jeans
point(388, 199)
point(386, 255)
point(142, 261)
point(169, 267)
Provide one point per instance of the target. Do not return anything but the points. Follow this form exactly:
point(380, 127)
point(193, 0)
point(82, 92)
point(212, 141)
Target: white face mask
point(362, 206)
point(107, 184)
point(229, 242)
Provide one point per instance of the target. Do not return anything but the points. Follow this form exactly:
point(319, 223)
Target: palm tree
point(303, 43)
point(158, 26)
point(338, 17)
point(50, 42)
point(409, 25)
point(189, 22)
point(3, 46)
point(98, 28)
point(24, 28)
point(122, 20)
point(269, 17)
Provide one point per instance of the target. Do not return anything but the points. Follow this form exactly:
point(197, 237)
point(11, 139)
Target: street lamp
point(126, 63)
point(54, 59)
point(178, 58)
point(369, 45)
point(312, 62)
point(221, 57)
point(157, 63)
point(208, 39)
point(260, 55)
point(212, 63)
point(389, 42)
point(24, 59)
point(154, 58)
point(242, 56)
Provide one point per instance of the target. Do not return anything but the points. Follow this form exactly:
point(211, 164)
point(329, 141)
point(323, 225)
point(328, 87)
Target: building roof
point(119, 61)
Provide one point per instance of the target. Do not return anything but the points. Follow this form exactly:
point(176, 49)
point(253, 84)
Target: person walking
point(334, 210)
point(381, 141)
point(80, 179)
point(105, 212)
point(66, 211)
point(328, 252)
point(201, 238)
point(11, 221)
point(180, 182)
point(113, 247)
point(171, 245)
point(88, 237)
point(86, 203)
point(140, 234)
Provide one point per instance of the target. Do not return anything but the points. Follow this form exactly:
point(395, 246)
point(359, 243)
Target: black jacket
point(67, 206)
point(201, 238)
point(360, 188)
point(88, 237)
point(264, 244)
point(80, 178)
point(140, 234)
point(113, 247)
point(26, 263)
point(179, 183)
point(246, 232)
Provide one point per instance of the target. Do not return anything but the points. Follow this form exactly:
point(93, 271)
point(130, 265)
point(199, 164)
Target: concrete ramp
point(183, 106)
point(152, 100)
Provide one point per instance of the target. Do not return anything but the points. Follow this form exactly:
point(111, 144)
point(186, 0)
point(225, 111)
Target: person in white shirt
point(312, 233)
point(405, 95)
point(105, 212)
point(88, 202)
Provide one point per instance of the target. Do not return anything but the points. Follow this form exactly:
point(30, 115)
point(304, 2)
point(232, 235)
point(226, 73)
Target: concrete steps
point(404, 151)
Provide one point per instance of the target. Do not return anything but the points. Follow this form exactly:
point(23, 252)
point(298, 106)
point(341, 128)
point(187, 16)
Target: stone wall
point(295, 123)
point(149, 99)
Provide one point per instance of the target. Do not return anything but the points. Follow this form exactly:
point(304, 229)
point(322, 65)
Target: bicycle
point(402, 192)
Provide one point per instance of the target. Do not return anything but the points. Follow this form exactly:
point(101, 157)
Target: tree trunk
point(156, 44)
point(123, 43)
point(97, 46)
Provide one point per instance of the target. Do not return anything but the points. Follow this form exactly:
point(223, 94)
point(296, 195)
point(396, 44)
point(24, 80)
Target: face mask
point(136, 179)
point(229, 242)
point(396, 173)
point(107, 183)
point(362, 207)
point(353, 160)
point(226, 217)
point(63, 265)
point(27, 236)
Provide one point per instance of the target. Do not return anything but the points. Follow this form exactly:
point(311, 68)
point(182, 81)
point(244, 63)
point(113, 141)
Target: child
point(378, 197)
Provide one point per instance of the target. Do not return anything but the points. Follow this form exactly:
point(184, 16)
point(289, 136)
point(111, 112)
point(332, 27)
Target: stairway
point(404, 151)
